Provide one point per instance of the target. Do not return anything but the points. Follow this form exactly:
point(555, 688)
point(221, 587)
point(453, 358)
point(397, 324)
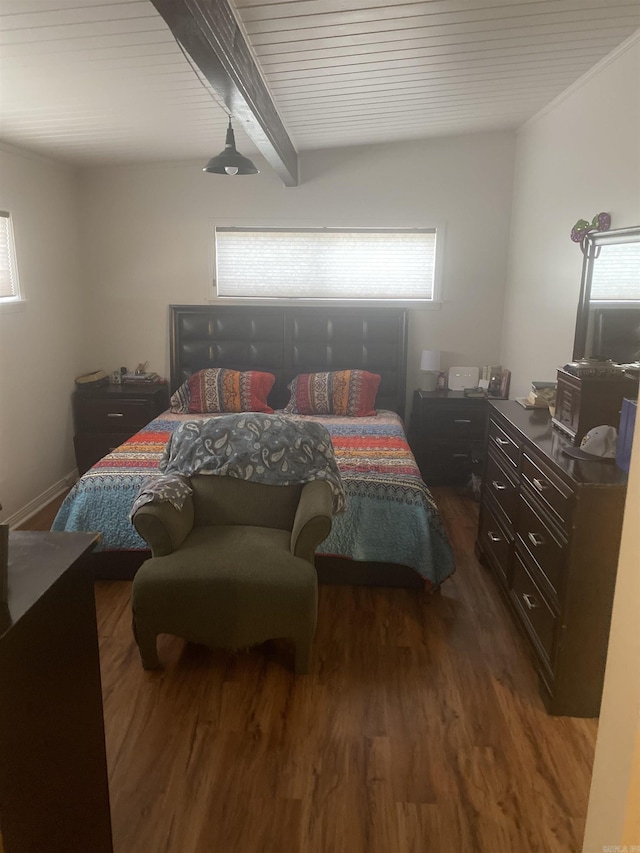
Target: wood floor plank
point(419, 729)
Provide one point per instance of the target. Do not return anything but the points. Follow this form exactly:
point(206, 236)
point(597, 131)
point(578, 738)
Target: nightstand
point(447, 435)
point(106, 417)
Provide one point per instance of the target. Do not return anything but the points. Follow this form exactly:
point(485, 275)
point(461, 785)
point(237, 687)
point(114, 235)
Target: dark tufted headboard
point(289, 340)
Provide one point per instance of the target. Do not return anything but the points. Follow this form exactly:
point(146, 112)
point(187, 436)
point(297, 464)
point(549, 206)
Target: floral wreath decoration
point(600, 222)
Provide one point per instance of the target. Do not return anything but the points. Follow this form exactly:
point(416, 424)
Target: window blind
point(8, 275)
point(325, 263)
point(616, 273)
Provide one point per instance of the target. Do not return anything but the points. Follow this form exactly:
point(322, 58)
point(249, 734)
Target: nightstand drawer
point(507, 447)
point(538, 618)
point(446, 463)
point(457, 423)
point(498, 483)
point(111, 415)
point(92, 446)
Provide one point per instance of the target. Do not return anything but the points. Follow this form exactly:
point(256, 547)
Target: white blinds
point(8, 276)
point(616, 273)
point(325, 263)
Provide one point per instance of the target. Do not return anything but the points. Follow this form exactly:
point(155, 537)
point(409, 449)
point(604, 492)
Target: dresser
point(446, 435)
point(106, 417)
point(550, 528)
point(54, 793)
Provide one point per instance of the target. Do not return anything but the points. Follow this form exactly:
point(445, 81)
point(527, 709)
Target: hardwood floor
point(418, 730)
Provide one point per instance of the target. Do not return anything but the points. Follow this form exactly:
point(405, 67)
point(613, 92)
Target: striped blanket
point(390, 516)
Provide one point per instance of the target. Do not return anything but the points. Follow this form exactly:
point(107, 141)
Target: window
point(616, 273)
point(9, 289)
point(326, 263)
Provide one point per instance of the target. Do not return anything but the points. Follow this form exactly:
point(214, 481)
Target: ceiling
point(93, 81)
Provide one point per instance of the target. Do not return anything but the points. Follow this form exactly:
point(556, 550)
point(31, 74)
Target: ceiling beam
point(209, 32)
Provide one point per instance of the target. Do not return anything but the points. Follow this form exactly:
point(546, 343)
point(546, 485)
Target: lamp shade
point(430, 360)
point(229, 161)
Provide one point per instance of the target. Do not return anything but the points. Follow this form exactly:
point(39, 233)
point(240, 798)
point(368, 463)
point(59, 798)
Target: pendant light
point(229, 161)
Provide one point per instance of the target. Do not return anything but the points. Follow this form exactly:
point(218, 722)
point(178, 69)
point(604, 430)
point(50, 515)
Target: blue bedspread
point(390, 515)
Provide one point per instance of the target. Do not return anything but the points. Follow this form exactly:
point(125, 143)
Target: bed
point(391, 533)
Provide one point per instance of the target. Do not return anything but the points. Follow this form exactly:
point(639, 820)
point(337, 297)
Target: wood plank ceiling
point(91, 81)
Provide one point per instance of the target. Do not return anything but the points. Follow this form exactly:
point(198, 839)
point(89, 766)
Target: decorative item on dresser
point(447, 435)
point(583, 402)
point(550, 529)
point(106, 417)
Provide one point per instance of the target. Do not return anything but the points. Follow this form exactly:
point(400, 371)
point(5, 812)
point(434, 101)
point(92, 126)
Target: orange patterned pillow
point(217, 389)
point(339, 392)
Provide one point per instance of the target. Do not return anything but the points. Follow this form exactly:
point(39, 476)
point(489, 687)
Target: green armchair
point(234, 567)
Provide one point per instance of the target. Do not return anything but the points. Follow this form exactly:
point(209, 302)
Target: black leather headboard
point(287, 341)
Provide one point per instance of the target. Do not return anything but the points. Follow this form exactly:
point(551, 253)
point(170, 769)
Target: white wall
point(578, 158)
point(147, 235)
point(613, 817)
point(39, 353)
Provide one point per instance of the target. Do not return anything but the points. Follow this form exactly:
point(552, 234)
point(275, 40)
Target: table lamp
point(430, 367)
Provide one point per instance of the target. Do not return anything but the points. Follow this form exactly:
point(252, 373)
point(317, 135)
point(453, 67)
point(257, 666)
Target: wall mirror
point(608, 321)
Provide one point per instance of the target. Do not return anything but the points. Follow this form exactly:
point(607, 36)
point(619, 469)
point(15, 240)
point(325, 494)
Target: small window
point(326, 263)
point(616, 273)
point(9, 287)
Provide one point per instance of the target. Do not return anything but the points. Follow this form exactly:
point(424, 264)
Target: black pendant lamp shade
point(229, 161)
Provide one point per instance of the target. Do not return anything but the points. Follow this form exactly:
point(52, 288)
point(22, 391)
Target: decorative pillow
point(179, 402)
point(217, 389)
point(340, 392)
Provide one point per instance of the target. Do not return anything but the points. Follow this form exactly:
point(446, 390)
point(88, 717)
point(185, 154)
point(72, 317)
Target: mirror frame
point(591, 246)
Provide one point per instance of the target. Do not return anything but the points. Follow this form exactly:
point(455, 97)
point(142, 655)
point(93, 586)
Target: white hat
point(598, 444)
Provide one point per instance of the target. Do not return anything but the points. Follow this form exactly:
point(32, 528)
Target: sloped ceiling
point(90, 81)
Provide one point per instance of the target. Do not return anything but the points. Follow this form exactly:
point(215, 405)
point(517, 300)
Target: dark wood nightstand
point(447, 435)
point(106, 417)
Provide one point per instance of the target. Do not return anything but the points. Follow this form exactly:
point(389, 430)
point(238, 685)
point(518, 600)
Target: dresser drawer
point(457, 423)
point(537, 617)
point(495, 541)
point(554, 494)
point(504, 444)
point(545, 548)
point(106, 415)
point(501, 487)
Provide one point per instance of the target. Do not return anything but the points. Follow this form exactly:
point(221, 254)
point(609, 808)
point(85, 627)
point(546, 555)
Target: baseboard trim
point(40, 502)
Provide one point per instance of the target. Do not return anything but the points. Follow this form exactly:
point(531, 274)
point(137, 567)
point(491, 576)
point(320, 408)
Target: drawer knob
point(498, 486)
point(503, 442)
point(540, 484)
point(115, 415)
point(493, 536)
point(462, 421)
point(536, 538)
point(530, 601)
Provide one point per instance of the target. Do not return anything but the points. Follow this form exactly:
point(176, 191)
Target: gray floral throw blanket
point(252, 446)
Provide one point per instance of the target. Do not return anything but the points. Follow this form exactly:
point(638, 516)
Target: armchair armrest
point(312, 522)
point(163, 526)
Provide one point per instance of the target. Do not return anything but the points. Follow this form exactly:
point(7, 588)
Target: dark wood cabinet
point(446, 434)
point(586, 402)
point(54, 793)
point(106, 417)
point(550, 529)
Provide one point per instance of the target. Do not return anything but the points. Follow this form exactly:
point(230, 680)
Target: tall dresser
point(550, 528)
